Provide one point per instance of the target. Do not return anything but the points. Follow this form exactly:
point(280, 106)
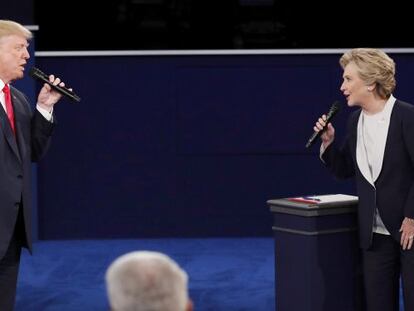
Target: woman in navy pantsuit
point(379, 154)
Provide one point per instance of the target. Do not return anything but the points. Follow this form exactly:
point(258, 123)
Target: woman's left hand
point(407, 235)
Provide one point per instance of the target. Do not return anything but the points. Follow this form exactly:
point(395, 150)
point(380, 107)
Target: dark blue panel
point(126, 105)
point(186, 146)
point(249, 109)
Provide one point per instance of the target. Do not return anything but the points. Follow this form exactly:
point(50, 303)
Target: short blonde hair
point(374, 67)
point(8, 28)
point(146, 281)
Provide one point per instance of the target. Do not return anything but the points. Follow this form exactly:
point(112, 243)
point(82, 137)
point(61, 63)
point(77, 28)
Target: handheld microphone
point(38, 74)
point(332, 111)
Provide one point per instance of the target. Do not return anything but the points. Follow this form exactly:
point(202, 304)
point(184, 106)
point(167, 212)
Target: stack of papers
point(324, 199)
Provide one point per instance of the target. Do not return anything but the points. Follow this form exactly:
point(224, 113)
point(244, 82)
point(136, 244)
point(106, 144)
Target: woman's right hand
point(328, 135)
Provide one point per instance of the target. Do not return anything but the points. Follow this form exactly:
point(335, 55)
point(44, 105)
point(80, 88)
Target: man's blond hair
point(9, 28)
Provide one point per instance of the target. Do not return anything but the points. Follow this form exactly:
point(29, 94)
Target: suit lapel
point(392, 130)
point(361, 154)
point(18, 115)
point(353, 136)
point(7, 130)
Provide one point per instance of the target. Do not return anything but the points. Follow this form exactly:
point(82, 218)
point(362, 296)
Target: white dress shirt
point(48, 115)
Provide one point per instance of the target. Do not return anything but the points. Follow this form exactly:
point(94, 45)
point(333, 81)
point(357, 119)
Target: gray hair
point(9, 28)
point(146, 281)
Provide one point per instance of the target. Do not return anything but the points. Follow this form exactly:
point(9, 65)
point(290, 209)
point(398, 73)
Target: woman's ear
point(371, 87)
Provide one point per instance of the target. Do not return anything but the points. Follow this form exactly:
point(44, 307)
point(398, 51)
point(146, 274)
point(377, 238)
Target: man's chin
point(19, 75)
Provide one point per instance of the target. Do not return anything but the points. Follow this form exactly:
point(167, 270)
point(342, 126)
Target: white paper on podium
point(332, 198)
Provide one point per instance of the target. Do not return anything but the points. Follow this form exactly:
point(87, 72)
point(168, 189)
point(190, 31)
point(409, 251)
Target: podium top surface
point(315, 205)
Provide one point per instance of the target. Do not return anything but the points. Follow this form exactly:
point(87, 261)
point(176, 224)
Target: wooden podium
point(317, 266)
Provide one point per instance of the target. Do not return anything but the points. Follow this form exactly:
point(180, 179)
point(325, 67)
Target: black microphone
point(38, 74)
point(332, 111)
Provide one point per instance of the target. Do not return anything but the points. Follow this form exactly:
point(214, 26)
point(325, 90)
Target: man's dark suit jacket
point(394, 188)
point(16, 154)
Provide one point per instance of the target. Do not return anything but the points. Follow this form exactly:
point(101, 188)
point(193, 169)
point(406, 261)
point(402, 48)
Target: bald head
point(146, 281)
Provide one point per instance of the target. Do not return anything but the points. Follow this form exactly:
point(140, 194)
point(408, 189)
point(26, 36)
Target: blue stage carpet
point(225, 274)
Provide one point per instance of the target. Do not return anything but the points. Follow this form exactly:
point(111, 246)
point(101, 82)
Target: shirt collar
point(385, 114)
point(388, 106)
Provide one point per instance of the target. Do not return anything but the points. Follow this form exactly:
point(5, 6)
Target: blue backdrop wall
point(187, 145)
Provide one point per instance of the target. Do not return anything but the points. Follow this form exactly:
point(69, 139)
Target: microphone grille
point(336, 106)
point(35, 72)
point(32, 71)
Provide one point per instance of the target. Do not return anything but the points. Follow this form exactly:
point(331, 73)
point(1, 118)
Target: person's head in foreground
point(147, 281)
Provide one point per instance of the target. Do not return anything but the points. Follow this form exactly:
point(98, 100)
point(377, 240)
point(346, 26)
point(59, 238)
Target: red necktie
point(9, 107)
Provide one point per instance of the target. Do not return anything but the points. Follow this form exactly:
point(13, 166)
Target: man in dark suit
point(24, 137)
point(379, 153)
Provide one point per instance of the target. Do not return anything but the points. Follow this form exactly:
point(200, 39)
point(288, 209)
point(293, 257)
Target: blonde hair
point(374, 67)
point(146, 281)
point(8, 28)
